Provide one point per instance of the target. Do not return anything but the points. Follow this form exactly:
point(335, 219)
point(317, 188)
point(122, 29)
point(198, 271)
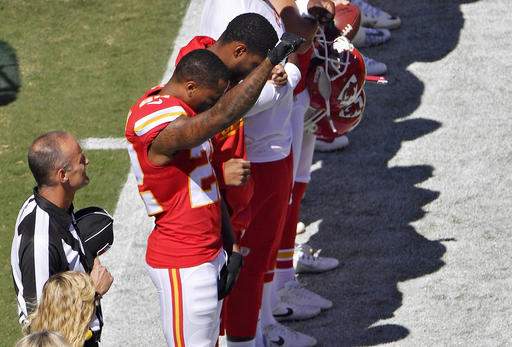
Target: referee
point(45, 240)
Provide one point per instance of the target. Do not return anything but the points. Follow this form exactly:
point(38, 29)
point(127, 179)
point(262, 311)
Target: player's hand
point(236, 172)
point(101, 277)
point(229, 275)
point(279, 76)
point(288, 44)
point(322, 10)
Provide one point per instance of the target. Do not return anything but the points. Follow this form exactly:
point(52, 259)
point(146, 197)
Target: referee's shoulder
point(27, 209)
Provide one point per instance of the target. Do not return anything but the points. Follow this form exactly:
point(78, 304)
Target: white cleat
point(279, 335)
point(294, 292)
point(286, 311)
point(307, 260)
point(301, 228)
point(369, 37)
point(374, 17)
point(374, 67)
point(335, 145)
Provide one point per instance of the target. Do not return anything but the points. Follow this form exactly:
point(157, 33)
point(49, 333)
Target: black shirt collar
point(62, 216)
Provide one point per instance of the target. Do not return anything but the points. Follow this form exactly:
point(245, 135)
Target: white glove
point(342, 44)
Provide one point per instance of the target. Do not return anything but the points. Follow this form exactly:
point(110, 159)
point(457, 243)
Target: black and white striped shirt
point(45, 243)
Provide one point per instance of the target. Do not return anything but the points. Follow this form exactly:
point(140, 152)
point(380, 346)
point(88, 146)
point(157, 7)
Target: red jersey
point(182, 195)
point(229, 143)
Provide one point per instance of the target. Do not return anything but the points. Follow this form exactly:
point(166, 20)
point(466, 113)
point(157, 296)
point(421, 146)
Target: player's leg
point(162, 282)
point(243, 303)
point(190, 308)
point(304, 259)
point(291, 291)
point(284, 265)
point(284, 271)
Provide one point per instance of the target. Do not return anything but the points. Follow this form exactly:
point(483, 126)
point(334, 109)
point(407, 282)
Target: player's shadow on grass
point(366, 203)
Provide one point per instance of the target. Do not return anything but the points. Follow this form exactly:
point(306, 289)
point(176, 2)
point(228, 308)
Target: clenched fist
point(322, 10)
point(101, 278)
point(236, 172)
point(279, 76)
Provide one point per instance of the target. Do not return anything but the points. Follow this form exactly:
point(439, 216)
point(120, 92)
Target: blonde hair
point(43, 339)
point(66, 306)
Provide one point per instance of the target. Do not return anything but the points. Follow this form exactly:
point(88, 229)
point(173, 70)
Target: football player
point(343, 28)
point(168, 130)
point(241, 46)
point(268, 138)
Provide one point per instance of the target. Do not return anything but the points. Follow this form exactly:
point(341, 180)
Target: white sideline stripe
point(93, 143)
point(132, 300)
point(316, 166)
point(189, 29)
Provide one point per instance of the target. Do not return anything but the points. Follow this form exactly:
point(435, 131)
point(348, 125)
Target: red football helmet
point(335, 83)
point(349, 117)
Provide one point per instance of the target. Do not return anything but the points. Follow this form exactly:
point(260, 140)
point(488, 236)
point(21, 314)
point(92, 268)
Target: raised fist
point(288, 44)
point(322, 10)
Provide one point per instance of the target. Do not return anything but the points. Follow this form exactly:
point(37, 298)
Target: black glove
point(322, 10)
point(229, 274)
point(288, 44)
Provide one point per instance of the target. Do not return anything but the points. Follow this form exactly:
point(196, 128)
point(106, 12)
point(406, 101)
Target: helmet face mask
point(335, 82)
point(335, 64)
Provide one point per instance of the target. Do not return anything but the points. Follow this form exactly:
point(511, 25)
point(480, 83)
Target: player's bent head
point(251, 36)
point(203, 77)
point(56, 158)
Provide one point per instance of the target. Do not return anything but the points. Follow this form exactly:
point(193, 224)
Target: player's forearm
point(191, 132)
point(187, 132)
point(305, 27)
point(239, 100)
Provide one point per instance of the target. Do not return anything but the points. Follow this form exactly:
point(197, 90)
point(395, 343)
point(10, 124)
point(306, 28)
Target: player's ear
point(240, 50)
point(191, 88)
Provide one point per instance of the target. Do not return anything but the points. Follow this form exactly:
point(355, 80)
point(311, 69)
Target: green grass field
point(83, 64)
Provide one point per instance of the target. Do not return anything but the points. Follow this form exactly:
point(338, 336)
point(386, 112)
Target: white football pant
point(189, 305)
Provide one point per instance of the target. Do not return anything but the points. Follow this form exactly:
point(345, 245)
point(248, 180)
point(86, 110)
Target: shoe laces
point(308, 254)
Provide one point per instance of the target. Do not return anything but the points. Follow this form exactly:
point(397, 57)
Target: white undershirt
point(268, 132)
point(267, 124)
point(218, 13)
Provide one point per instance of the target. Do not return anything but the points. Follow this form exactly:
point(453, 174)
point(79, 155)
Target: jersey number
point(202, 184)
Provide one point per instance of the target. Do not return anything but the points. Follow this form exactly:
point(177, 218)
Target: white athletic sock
point(259, 339)
point(266, 305)
point(250, 343)
point(281, 276)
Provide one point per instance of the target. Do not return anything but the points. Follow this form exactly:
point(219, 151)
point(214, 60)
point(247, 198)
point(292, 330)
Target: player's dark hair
point(45, 154)
point(253, 30)
point(202, 67)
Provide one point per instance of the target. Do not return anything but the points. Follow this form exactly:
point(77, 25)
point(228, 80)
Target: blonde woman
point(67, 305)
point(43, 339)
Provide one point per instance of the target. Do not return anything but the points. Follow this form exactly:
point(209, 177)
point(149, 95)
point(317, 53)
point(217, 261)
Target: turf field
point(417, 208)
point(82, 63)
